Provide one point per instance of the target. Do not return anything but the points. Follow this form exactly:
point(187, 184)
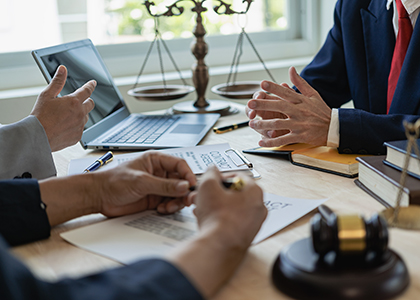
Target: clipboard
point(198, 158)
point(245, 161)
point(239, 160)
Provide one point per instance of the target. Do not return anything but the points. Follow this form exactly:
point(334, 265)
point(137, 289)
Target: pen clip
point(217, 130)
point(245, 161)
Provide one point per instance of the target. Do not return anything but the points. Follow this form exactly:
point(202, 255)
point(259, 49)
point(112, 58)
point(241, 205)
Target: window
point(129, 20)
point(122, 29)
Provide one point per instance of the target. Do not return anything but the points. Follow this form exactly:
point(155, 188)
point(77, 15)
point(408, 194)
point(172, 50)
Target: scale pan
point(161, 92)
point(237, 90)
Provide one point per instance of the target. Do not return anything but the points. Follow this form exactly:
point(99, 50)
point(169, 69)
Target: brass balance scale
point(230, 89)
point(407, 217)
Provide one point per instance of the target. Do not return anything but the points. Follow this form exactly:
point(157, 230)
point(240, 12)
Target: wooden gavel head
point(349, 234)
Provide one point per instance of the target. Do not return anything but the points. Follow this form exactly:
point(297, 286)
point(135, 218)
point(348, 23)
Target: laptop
point(111, 125)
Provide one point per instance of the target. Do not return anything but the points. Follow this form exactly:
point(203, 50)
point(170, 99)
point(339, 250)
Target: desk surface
point(54, 258)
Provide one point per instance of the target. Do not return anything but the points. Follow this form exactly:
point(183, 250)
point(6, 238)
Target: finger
point(271, 103)
point(263, 95)
point(86, 120)
point(282, 92)
point(130, 208)
point(276, 133)
point(272, 109)
point(259, 95)
point(301, 83)
point(170, 206)
point(191, 198)
point(286, 139)
point(211, 180)
point(85, 91)
point(270, 124)
point(88, 105)
point(212, 174)
point(172, 164)
point(164, 186)
point(286, 86)
point(57, 83)
point(250, 113)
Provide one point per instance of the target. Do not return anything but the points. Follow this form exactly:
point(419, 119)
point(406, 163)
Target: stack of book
point(380, 176)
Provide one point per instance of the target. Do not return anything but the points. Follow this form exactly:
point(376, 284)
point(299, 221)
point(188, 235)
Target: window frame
point(18, 69)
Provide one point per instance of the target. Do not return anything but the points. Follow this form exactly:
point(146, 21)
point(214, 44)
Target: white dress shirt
point(413, 9)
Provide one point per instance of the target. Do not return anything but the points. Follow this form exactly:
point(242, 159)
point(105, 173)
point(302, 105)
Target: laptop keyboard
point(144, 130)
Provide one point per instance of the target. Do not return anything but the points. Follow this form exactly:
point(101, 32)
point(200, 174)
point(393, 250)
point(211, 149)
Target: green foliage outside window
point(133, 18)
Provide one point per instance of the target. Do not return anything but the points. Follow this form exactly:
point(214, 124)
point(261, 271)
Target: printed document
point(149, 234)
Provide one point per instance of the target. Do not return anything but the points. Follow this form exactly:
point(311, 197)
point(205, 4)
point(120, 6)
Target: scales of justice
point(200, 76)
point(407, 217)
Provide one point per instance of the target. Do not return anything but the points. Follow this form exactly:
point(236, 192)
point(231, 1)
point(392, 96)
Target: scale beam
point(200, 49)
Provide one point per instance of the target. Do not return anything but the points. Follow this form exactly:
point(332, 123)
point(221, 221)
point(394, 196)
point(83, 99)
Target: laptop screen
point(83, 64)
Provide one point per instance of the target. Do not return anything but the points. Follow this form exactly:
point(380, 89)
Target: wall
point(16, 104)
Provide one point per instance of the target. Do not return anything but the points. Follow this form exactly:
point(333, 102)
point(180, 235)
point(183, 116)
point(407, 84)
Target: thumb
point(212, 173)
point(57, 83)
point(301, 84)
point(166, 186)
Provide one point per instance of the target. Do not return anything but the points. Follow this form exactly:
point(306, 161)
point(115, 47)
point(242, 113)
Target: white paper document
point(198, 158)
point(149, 234)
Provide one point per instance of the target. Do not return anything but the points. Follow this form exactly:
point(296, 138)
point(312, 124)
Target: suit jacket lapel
point(379, 41)
point(407, 93)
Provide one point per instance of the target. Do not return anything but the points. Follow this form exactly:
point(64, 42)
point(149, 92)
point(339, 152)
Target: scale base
point(299, 273)
point(215, 106)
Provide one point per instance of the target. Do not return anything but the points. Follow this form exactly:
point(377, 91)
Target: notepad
point(321, 158)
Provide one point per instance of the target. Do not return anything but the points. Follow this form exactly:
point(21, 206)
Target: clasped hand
point(287, 116)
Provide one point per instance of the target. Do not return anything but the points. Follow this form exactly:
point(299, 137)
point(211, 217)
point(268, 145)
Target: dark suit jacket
point(354, 64)
point(23, 219)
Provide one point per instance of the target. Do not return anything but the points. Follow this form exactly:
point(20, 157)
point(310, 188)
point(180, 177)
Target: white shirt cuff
point(334, 130)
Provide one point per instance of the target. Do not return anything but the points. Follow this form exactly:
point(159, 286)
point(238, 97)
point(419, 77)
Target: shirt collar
point(410, 5)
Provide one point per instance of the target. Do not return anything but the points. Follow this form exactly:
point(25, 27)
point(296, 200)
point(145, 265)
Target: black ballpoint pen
point(227, 128)
point(104, 159)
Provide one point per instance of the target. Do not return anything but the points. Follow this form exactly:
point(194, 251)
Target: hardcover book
point(382, 182)
point(320, 158)
point(395, 157)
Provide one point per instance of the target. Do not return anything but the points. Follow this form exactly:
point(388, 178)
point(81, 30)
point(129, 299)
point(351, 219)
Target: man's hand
point(152, 181)
point(63, 118)
point(228, 221)
point(238, 214)
point(287, 116)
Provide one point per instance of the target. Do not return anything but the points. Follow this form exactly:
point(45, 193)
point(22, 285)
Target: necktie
point(405, 30)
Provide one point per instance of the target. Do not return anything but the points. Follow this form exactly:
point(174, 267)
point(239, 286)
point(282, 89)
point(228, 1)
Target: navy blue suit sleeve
point(149, 279)
point(353, 64)
point(327, 72)
point(362, 132)
point(23, 218)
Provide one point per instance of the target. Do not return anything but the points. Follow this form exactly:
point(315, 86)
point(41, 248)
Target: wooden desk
point(55, 258)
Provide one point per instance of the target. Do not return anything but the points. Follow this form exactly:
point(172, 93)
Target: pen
point(227, 128)
point(234, 183)
point(104, 159)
